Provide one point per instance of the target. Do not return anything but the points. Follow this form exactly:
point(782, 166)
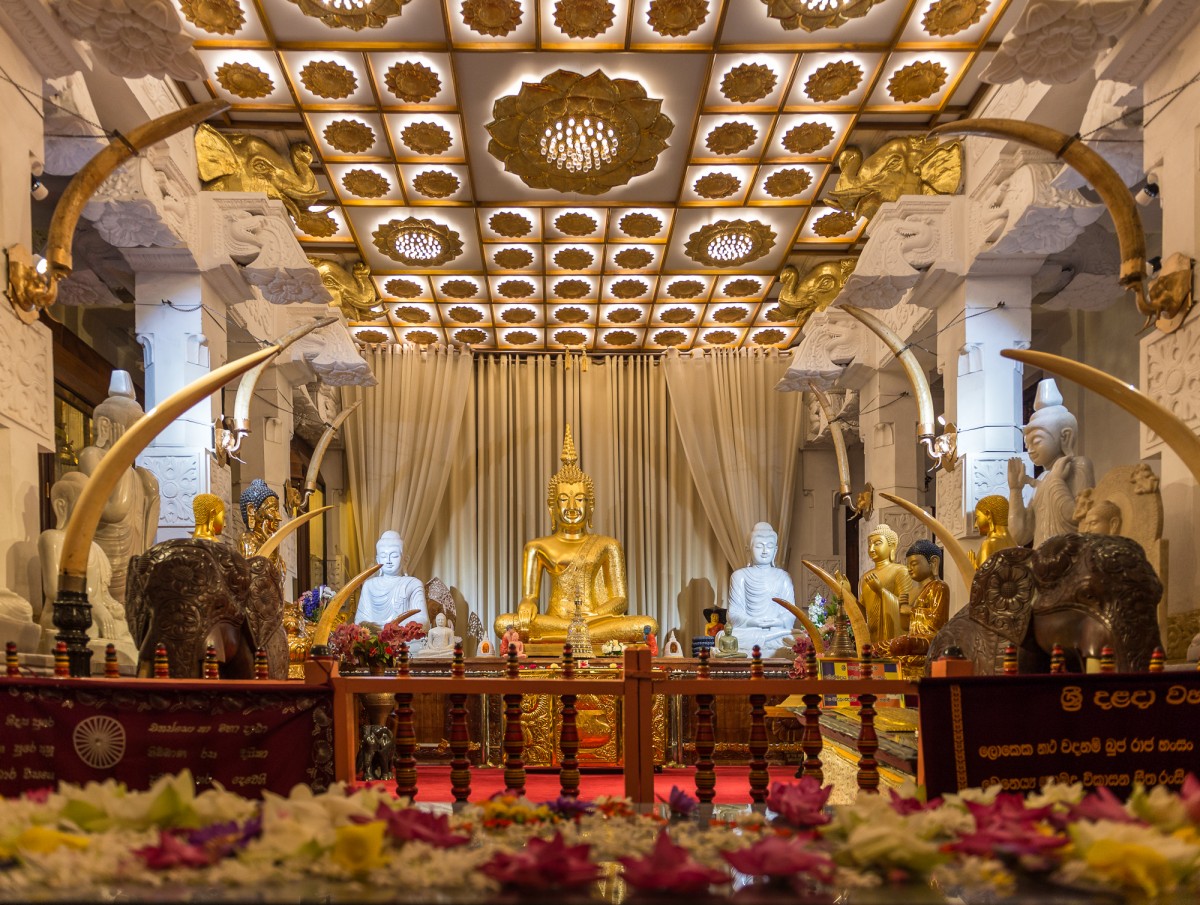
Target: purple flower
point(570, 808)
point(800, 804)
point(171, 851)
point(415, 825)
point(779, 857)
point(543, 865)
point(680, 802)
point(221, 840)
point(669, 868)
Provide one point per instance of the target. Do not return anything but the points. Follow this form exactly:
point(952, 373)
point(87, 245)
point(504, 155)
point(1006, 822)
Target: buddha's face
point(388, 557)
point(762, 549)
point(1043, 446)
point(1102, 518)
point(919, 567)
point(267, 517)
point(879, 549)
point(440, 620)
point(983, 522)
point(217, 522)
point(571, 505)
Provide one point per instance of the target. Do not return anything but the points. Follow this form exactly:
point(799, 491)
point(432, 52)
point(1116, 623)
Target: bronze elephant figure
point(1081, 591)
point(187, 593)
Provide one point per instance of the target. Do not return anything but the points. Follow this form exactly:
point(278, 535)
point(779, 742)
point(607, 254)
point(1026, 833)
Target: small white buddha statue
point(387, 594)
point(440, 640)
point(758, 618)
point(672, 648)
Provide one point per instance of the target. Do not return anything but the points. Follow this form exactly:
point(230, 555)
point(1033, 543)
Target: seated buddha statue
point(260, 512)
point(727, 643)
point(580, 565)
point(927, 613)
point(752, 590)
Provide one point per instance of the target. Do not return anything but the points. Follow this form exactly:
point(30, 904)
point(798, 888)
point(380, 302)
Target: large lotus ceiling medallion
point(813, 15)
point(244, 80)
point(218, 17)
point(676, 18)
point(729, 243)
point(575, 133)
point(325, 78)
point(917, 81)
point(583, 18)
point(494, 18)
point(418, 243)
point(353, 14)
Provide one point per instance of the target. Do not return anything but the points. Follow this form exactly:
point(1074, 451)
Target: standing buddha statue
point(885, 587)
point(581, 565)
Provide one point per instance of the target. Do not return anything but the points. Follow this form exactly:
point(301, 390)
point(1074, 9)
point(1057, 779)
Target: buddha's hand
point(872, 582)
point(973, 558)
point(1017, 477)
point(525, 614)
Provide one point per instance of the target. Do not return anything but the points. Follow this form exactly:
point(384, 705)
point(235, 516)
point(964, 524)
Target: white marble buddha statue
point(387, 594)
point(439, 642)
point(758, 619)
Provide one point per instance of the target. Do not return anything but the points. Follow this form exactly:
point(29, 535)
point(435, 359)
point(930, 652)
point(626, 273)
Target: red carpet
point(733, 783)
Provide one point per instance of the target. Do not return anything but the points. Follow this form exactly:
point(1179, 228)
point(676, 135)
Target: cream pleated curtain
point(403, 442)
point(742, 439)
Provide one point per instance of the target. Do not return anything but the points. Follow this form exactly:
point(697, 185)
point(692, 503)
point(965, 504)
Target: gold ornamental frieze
point(717, 185)
point(633, 259)
point(811, 15)
point(624, 315)
point(731, 138)
point(402, 289)
point(217, 17)
point(620, 338)
point(917, 81)
point(513, 258)
point(727, 243)
point(418, 243)
point(583, 18)
point(833, 81)
point(676, 18)
point(685, 289)
point(426, 138)
point(413, 83)
point(748, 82)
point(807, 138)
point(949, 17)
point(574, 258)
point(786, 183)
point(576, 133)
point(349, 136)
point(510, 225)
point(366, 183)
point(494, 18)
point(244, 80)
point(436, 184)
point(576, 224)
point(459, 289)
point(328, 79)
point(355, 15)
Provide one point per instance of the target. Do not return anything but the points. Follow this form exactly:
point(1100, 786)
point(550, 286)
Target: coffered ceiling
point(615, 174)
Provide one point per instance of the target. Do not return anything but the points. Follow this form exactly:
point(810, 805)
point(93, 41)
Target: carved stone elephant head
point(182, 592)
point(903, 166)
point(1081, 591)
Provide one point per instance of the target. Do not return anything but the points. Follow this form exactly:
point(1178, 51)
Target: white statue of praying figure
point(387, 593)
point(756, 618)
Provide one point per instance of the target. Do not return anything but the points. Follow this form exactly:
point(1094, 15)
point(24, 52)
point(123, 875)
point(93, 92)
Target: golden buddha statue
point(260, 511)
point(209, 512)
point(885, 587)
point(991, 520)
point(582, 566)
point(926, 614)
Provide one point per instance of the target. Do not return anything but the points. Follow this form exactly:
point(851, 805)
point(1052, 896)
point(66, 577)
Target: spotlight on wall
point(38, 189)
point(1149, 192)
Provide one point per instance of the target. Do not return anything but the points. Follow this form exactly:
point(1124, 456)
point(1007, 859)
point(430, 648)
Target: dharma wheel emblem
point(100, 742)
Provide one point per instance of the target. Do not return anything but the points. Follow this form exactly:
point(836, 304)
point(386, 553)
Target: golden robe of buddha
point(885, 587)
point(991, 521)
point(581, 565)
point(260, 511)
point(926, 614)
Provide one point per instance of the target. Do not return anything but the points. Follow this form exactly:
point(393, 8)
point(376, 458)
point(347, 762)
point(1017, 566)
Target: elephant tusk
point(314, 467)
point(81, 528)
point(814, 633)
point(862, 632)
point(271, 544)
point(956, 550)
point(325, 623)
point(1099, 174)
point(407, 614)
point(926, 422)
point(1173, 431)
point(839, 444)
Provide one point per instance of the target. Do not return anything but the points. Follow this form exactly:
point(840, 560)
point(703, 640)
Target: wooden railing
point(639, 682)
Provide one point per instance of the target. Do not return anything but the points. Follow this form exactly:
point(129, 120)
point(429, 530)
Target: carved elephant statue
point(376, 748)
point(353, 291)
point(1081, 591)
point(238, 162)
point(912, 165)
point(187, 593)
point(802, 296)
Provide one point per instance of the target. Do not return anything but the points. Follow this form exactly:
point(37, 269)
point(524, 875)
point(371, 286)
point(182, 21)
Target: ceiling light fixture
point(579, 146)
point(353, 14)
point(729, 243)
point(418, 242)
point(730, 246)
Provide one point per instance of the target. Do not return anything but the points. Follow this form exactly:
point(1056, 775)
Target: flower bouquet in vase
point(364, 644)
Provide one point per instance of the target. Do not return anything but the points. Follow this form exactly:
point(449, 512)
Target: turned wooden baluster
point(460, 744)
point(868, 742)
point(568, 737)
point(514, 739)
point(405, 763)
point(458, 668)
point(758, 733)
point(706, 739)
point(811, 741)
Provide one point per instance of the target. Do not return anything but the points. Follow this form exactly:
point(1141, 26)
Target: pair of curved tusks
point(1097, 171)
point(839, 444)
point(322, 447)
point(81, 527)
point(271, 544)
point(862, 634)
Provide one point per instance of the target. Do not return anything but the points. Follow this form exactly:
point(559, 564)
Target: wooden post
point(811, 741)
point(460, 744)
point(706, 739)
point(568, 737)
point(514, 739)
point(868, 742)
point(636, 715)
point(758, 734)
point(345, 733)
point(405, 762)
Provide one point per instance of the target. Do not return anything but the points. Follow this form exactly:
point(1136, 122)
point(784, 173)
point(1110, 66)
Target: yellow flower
point(1132, 866)
point(41, 840)
point(358, 847)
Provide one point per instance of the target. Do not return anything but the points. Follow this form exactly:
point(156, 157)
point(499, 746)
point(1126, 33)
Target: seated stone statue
point(1097, 517)
point(991, 521)
point(885, 586)
point(581, 566)
point(208, 510)
point(926, 614)
point(388, 593)
point(260, 512)
point(672, 648)
point(439, 642)
point(727, 643)
point(758, 618)
point(512, 638)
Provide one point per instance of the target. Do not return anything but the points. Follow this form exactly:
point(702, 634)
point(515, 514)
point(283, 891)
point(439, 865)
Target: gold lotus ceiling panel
point(613, 174)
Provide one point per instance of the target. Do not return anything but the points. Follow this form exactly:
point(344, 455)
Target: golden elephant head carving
point(912, 165)
point(353, 290)
point(802, 296)
point(238, 162)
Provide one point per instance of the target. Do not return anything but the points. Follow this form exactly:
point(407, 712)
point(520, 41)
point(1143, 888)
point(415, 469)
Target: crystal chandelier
point(418, 245)
point(818, 6)
point(346, 5)
point(579, 145)
point(730, 246)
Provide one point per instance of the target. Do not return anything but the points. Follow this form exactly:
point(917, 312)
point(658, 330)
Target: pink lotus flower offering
point(670, 868)
point(800, 804)
point(543, 866)
point(779, 857)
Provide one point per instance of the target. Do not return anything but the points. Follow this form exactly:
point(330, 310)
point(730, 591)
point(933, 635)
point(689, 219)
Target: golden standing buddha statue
point(582, 566)
point(991, 520)
point(885, 587)
point(209, 512)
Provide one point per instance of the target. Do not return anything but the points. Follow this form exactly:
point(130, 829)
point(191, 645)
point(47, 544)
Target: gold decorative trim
point(326, 78)
point(371, 337)
point(730, 138)
point(576, 224)
point(366, 183)
point(531, 132)
point(670, 337)
point(757, 239)
point(628, 289)
point(620, 338)
point(518, 315)
point(436, 184)
point(244, 80)
point(768, 337)
point(835, 223)
point(786, 183)
point(807, 138)
point(640, 226)
point(571, 315)
point(217, 17)
point(572, 289)
point(356, 15)
point(402, 289)
point(465, 314)
point(495, 18)
point(520, 338)
point(624, 315)
point(810, 16)
point(412, 314)
point(421, 337)
point(741, 288)
point(428, 139)
point(513, 258)
point(583, 18)
point(720, 337)
point(730, 315)
point(574, 258)
point(717, 185)
point(833, 81)
point(570, 337)
point(459, 289)
point(413, 83)
point(633, 258)
point(470, 336)
point(444, 243)
point(676, 18)
point(678, 316)
point(685, 289)
point(350, 136)
point(748, 82)
point(949, 17)
point(510, 225)
point(917, 81)
point(515, 289)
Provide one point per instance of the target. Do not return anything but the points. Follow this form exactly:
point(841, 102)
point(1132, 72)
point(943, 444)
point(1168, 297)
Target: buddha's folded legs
point(629, 629)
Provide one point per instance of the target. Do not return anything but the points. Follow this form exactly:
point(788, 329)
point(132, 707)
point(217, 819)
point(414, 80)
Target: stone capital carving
point(1148, 41)
point(329, 355)
point(133, 38)
point(27, 378)
point(145, 203)
point(832, 342)
point(1038, 218)
point(83, 287)
point(843, 407)
point(179, 475)
point(1168, 373)
point(44, 41)
point(72, 139)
